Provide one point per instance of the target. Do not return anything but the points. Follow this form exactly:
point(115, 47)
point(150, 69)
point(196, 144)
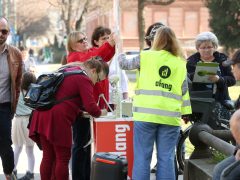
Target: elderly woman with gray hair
point(206, 44)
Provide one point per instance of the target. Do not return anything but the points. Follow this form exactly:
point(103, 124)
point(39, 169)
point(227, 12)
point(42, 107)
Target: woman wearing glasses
point(79, 51)
point(52, 128)
point(206, 44)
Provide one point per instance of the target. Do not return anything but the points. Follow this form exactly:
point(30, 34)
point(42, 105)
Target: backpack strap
point(67, 73)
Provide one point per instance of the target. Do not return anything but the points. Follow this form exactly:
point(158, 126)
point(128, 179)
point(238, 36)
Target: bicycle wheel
point(184, 148)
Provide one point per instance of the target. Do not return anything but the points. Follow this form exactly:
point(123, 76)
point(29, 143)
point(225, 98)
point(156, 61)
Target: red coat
point(106, 51)
point(55, 124)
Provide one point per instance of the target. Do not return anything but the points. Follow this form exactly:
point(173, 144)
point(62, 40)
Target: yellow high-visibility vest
point(162, 95)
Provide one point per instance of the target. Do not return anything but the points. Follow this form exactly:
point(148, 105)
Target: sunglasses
point(82, 40)
point(4, 31)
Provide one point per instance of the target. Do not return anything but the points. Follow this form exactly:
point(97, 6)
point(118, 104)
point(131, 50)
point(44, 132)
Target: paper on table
point(203, 70)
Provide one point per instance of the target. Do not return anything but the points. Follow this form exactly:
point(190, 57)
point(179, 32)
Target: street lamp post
point(116, 22)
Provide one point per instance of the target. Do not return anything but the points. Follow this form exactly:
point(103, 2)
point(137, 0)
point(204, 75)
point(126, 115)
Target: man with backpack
point(10, 79)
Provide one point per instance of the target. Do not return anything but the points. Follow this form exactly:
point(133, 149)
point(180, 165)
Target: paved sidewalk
point(22, 165)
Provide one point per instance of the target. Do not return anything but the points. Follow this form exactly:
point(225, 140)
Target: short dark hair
point(99, 32)
point(27, 79)
point(31, 51)
point(235, 59)
point(151, 31)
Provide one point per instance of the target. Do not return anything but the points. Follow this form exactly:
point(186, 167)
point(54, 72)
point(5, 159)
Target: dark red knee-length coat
point(55, 124)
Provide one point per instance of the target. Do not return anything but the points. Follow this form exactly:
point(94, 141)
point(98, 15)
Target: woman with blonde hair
point(79, 51)
point(52, 128)
point(165, 39)
point(158, 105)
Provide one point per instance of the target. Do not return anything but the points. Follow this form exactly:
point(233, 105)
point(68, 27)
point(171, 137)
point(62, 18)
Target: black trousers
point(81, 157)
point(6, 151)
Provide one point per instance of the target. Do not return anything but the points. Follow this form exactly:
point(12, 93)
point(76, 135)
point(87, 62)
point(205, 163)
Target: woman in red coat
point(78, 50)
point(52, 128)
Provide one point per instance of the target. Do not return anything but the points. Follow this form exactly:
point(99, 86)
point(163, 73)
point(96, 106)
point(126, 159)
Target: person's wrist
point(111, 42)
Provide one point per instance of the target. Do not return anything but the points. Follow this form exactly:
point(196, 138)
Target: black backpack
point(41, 95)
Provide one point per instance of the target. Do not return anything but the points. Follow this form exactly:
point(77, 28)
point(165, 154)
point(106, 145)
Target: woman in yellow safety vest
point(161, 99)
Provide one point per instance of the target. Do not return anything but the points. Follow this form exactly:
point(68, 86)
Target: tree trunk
point(69, 19)
point(141, 19)
point(79, 21)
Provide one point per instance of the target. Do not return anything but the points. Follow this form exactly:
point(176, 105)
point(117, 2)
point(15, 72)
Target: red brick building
point(186, 17)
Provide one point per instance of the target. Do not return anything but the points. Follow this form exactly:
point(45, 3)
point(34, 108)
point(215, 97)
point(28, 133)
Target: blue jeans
point(6, 151)
point(81, 157)
point(165, 136)
point(223, 165)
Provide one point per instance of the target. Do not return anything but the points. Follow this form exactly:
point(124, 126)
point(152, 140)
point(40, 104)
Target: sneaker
point(11, 177)
point(27, 176)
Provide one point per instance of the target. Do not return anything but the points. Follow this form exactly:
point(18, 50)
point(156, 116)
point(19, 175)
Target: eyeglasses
point(82, 40)
point(206, 48)
point(4, 31)
point(98, 78)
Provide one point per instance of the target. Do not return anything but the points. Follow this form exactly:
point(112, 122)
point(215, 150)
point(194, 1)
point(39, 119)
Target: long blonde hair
point(165, 39)
point(72, 38)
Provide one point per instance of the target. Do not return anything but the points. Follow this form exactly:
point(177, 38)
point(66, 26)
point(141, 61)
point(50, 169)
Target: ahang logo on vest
point(164, 73)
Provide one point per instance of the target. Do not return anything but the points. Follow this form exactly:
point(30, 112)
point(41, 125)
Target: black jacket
point(226, 76)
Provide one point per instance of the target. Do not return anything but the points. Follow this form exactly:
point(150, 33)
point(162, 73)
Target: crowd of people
point(64, 131)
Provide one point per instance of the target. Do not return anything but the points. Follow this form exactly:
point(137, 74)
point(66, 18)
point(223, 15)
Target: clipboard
point(203, 70)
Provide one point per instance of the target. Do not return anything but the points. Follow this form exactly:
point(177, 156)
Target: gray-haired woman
point(206, 45)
